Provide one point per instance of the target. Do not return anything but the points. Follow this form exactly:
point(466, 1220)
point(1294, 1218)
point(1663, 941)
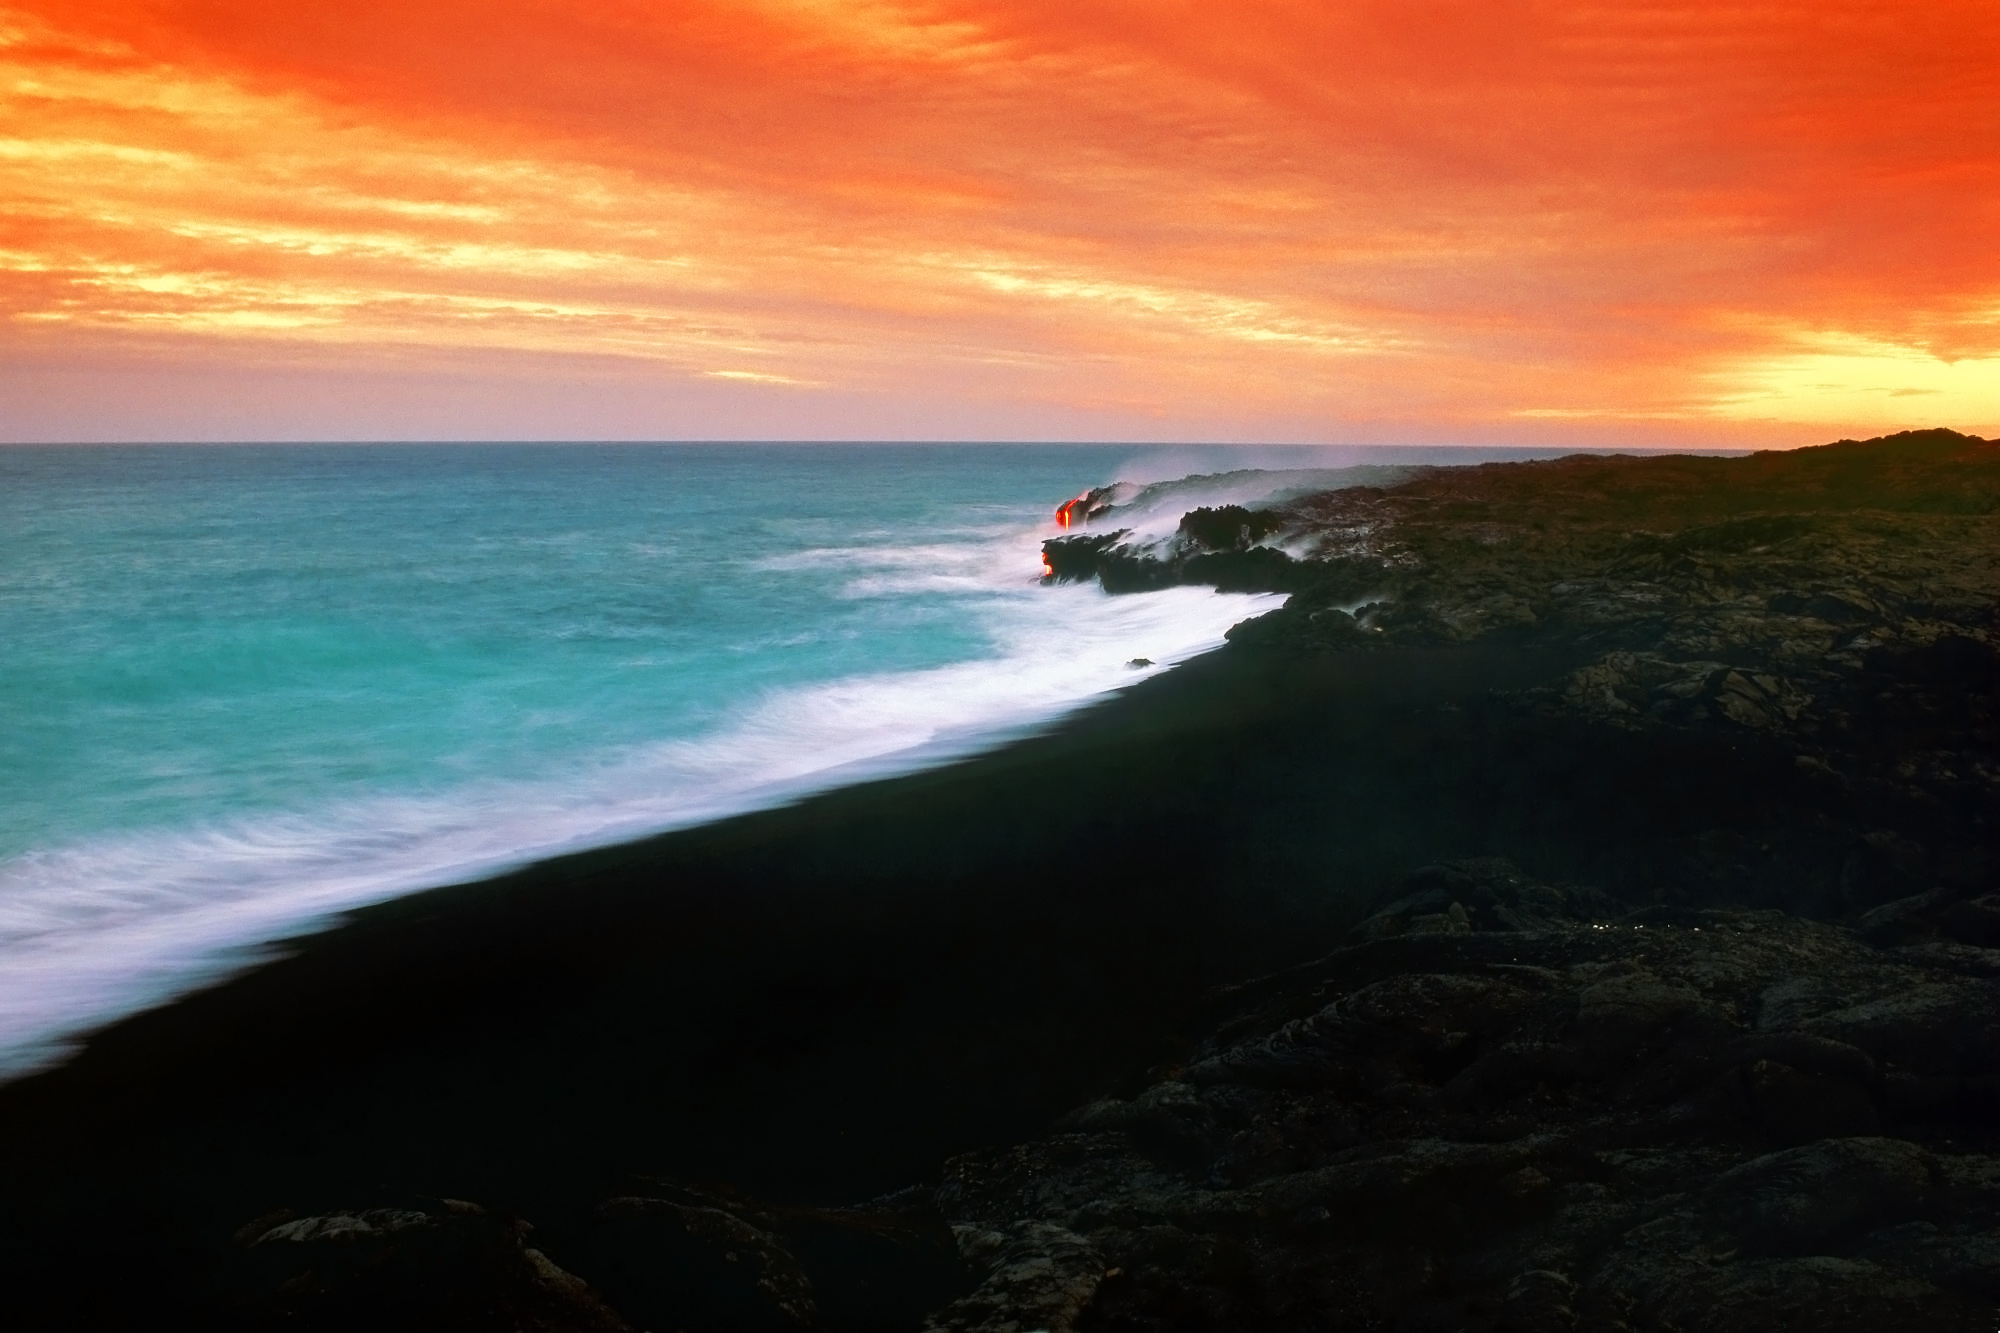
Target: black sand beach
point(819, 1005)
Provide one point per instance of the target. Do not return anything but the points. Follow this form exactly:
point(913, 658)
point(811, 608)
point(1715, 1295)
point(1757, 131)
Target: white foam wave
point(93, 932)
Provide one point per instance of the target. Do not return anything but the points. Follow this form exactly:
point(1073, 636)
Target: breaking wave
point(103, 927)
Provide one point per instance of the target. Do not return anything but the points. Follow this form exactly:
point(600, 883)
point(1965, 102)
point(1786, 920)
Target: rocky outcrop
point(441, 1264)
point(1504, 1105)
point(1838, 605)
point(1778, 568)
point(675, 1257)
point(1511, 1105)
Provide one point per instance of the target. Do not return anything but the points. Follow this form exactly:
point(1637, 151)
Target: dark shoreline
point(821, 1003)
point(814, 1003)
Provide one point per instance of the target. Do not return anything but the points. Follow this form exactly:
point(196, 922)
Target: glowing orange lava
point(1066, 513)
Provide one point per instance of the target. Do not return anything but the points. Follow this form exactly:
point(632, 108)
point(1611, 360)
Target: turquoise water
point(246, 687)
point(200, 632)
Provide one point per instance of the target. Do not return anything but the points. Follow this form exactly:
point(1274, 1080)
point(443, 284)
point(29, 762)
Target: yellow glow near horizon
point(1865, 384)
point(1273, 219)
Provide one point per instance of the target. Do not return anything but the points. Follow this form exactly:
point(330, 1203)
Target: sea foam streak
point(92, 932)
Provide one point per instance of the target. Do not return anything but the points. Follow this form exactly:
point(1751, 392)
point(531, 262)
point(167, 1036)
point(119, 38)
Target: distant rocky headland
point(1575, 909)
point(1805, 560)
point(1515, 1105)
point(1836, 603)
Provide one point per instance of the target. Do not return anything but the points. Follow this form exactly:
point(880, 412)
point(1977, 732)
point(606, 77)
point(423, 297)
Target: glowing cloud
point(1277, 219)
point(1837, 379)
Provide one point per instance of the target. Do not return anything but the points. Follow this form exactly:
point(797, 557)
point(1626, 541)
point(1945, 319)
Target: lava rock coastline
point(1511, 1106)
point(1609, 842)
point(1837, 601)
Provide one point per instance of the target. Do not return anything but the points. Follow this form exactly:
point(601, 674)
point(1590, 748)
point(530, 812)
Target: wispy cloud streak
point(1279, 219)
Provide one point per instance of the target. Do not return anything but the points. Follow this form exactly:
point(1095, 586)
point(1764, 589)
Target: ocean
point(247, 687)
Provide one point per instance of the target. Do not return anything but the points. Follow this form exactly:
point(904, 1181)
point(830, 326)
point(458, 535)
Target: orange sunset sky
point(1622, 222)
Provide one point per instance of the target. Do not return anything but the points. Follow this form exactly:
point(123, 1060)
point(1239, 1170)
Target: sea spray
point(246, 688)
point(253, 688)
